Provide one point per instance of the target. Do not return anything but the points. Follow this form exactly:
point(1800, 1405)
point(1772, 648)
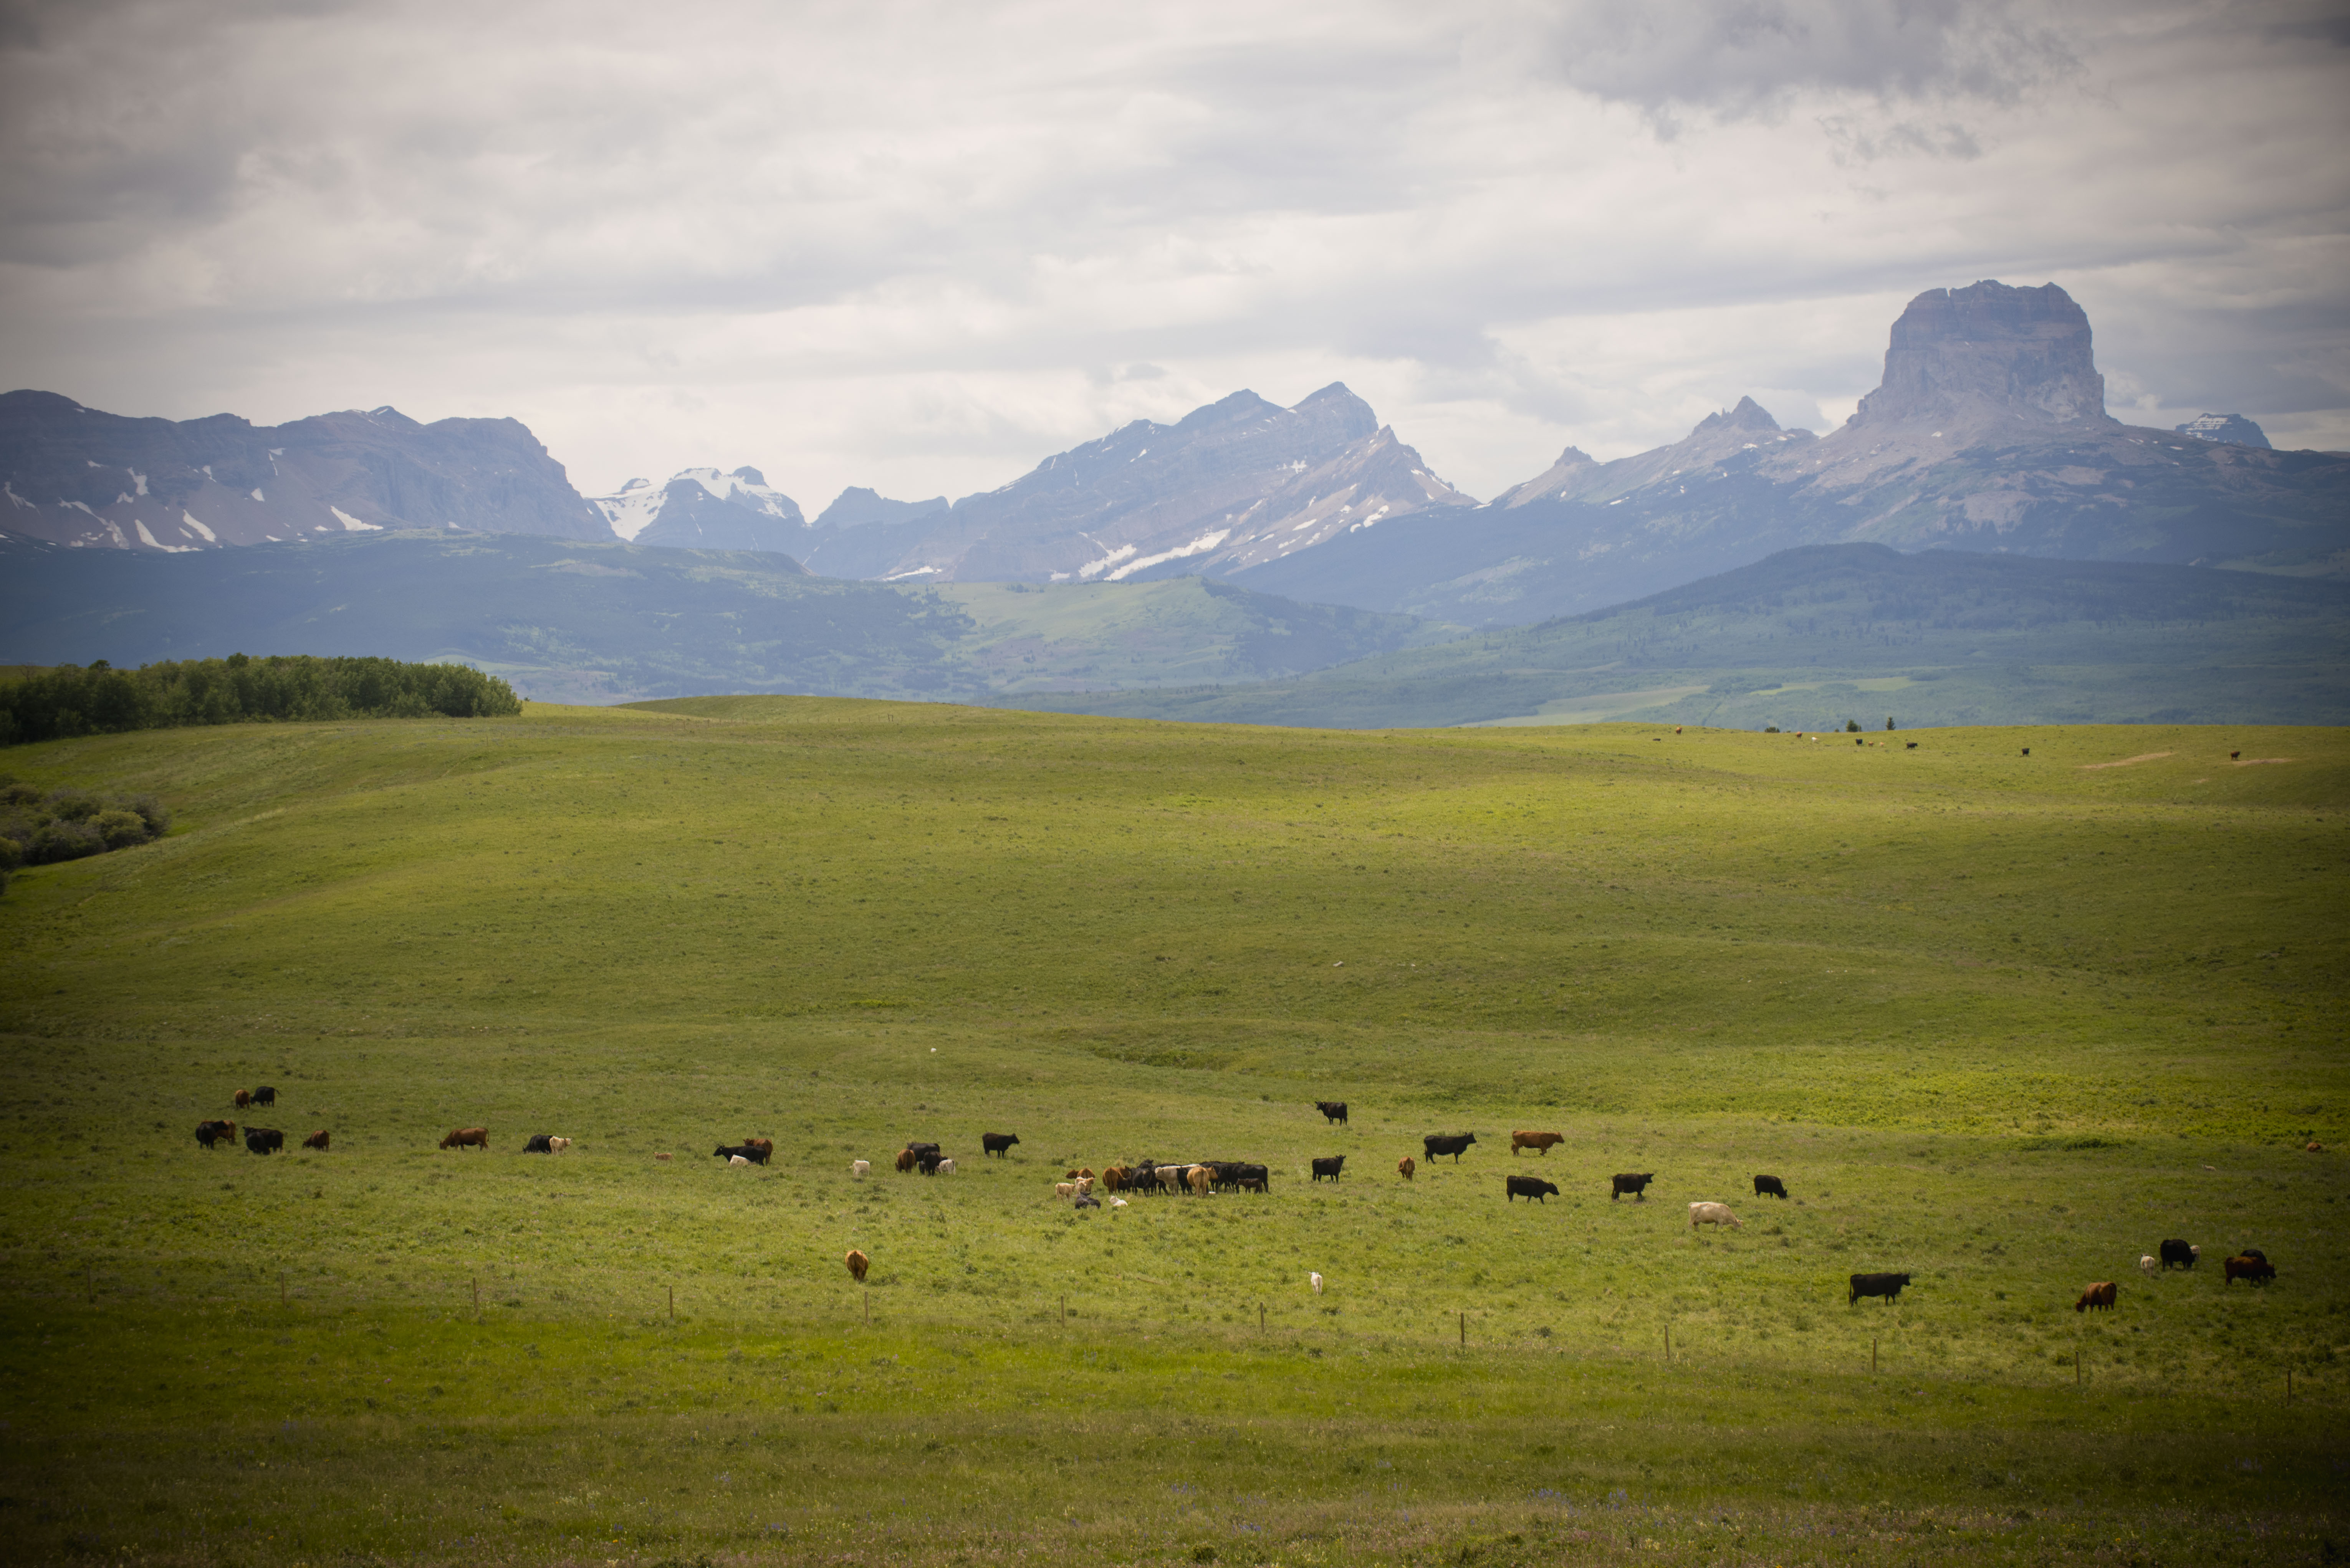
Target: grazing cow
point(243, 1098)
point(660, 1156)
point(1771, 1185)
point(1714, 1214)
point(733, 1153)
point(2250, 1267)
point(2147, 1264)
point(860, 1168)
point(1435, 1144)
point(1116, 1177)
point(1087, 1171)
point(2314, 1147)
point(210, 1132)
point(468, 1137)
point(263, 1140)
point(1886, 1286)
point(905, 1160)
point(316, 1140)
point(927, 1161)
point(1405, 1166)
point(1909, 745)
point(1532, 1187)
point(2253, 1252)
point(540, 1143)
point(1252, 1177)
point(1638, 1186)
point(1064, 1189)
point(734, 1160)
point(754, 1149)
point(997, 1144)
point(2100, 1294)
point(265, 1095)
point(1332, 1110)
point(558, 1144)
point(1540, 1142)
point(1329, 1167)
point(2179, 1254)
point(858, 1264)
point(946, 1168)
point(1315, 1281)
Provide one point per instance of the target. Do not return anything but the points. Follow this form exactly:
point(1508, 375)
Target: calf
point(735, 1159)
point(997, 1144)
point(468, 1137)
point(1332, 1110)
point(1086, 1200)
point(1532, 1187)
point(316, 1140)
point(558, 1144)
point(2147, 1264)
point(1886, 1286)
point(1436, 1143)
point(1315, 1281)
point(1712, 1214)
point(540, 1143)
point(2100, 1294)
point(860, 1168)
point(927, 1161)
point(1540, 1142)
point(858, 1264)
point(2250, 1267)
point(265, 1095)
point(210, 1132)
point(735, 1154)
point(2179, 1254)
point(1405, 1167)
point(263, 1140)
point(946, 1168)
point(1771, 1185)
point(1252, 1177)
point(1329, 1167)
point(1064, 1189)
point(1638, 1186)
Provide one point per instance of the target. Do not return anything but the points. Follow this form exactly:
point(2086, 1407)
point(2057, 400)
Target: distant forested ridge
point(72, 699)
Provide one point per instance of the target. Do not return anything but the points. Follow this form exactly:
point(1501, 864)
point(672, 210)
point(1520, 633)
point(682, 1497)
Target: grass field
point(2001, 1022)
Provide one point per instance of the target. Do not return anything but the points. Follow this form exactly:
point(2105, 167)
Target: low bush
point(67, 823)
point(69, 700)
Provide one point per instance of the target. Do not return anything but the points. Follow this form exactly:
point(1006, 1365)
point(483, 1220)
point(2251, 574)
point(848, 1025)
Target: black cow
point(1251, 1178)
point(1886, 1286)
point(920, 1149)
point(1532, 1187)
point(2178, 1254)
point(1770, 1184)
point(723, 1151)
point(1086, 1200)
point(210, 1133)
point(927, 1160)
point(265, 1095)
point(263, 1140)
point(1638, 1186)
point(997, 1144)
point(1332, 1110)
point(1328, 1168)
point(540, 1143)
point(1446, 1143)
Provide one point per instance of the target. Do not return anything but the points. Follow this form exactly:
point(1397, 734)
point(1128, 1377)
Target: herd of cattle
point(1203, 1176)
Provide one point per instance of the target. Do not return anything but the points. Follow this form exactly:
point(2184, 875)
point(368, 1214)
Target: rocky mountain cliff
point(77, 476)
point(1987, 434)
point(702, 509)
point(1237, 483)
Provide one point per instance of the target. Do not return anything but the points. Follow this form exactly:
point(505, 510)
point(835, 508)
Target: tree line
point(74, 699)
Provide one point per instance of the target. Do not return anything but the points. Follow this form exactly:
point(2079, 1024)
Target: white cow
point(1315, 1281)
point(1712, 1214)
point(2147, 1265)
point(946, 1168)
point(1117, 1203)
point(558, 1144)
point(736, 1159)
point(860, 1168)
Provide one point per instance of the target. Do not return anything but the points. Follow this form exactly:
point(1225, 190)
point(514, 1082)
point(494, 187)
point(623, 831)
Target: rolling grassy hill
point(2001, 1022)
point(1813, 637)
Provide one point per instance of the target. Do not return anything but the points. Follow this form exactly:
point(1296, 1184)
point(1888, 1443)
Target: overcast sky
point(921, 245)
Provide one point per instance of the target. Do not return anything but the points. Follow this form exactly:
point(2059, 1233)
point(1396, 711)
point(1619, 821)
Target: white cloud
point(921, 245)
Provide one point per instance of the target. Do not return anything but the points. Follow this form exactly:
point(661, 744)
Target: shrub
point(68, 824)
point(120, 828)
point(70, 700)
point(1851, 726)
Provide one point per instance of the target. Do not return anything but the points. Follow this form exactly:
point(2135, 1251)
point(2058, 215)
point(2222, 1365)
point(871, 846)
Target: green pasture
point(2002, 1021)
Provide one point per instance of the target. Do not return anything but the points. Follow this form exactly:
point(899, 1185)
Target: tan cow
point(468, 1137)
point(1540, 1142)
point(1405, 1166)
point(1064, 1189)
point(1199, 1178)
point(905, 1160)
point(858, 1264)
point(557, 1145)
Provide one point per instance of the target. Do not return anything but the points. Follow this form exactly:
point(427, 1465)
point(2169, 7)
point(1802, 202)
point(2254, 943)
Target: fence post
point(477, 1293)
point(1872, 1356)
point(672, 1303)
point(1464, 1331)
point(281, 1288)
point(1669, 1344)
point(865, 1294)
point(1260, 1317)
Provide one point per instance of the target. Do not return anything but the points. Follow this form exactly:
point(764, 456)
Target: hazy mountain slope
point(1987, 434)
point(77, 476)
point(1831, 632)
point(609, 622)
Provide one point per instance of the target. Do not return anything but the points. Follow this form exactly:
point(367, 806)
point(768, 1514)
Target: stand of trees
point(69, 700)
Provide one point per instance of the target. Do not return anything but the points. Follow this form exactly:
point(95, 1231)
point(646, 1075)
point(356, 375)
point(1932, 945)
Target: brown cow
point(1540, 1142)
point(2250, 1267)
point(1114, 1178)
point(2100, 1294)
point(316, 1140)
point(858, 1264)
point(2315, 1147)
point(468, 1137)
point(905, 1160)
point(243, 1099)
point(1405, 1166)
point(766, 1147)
